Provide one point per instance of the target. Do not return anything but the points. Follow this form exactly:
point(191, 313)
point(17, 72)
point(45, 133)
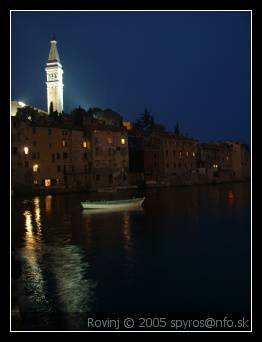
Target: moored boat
point(119, 204)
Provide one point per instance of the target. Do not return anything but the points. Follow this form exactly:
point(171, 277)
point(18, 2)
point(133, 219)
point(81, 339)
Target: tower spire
point(53, 53)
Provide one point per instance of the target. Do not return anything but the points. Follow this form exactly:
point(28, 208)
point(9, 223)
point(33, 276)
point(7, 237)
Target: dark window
point(58, 155)
point(26, 164)
point(64, 168)
point(50, 145)
point(97, 177)
point(49, 131)
point(72, 167)
point(65, 155)
point(53, 157)
point(58, 168)
point(14, 150)
point(97, 151)
point(118, 148)
point(38, 155)
point(179, 165)
point(174, 153)
point(166, 152)
point(96, 140)
point(174, 165)
point(167, 165)
point(85, 155)
point(34, 130)
point(34, 143)
point(86, 168)
point(33, 155)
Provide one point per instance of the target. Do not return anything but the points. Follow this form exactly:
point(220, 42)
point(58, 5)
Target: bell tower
point(54, 78)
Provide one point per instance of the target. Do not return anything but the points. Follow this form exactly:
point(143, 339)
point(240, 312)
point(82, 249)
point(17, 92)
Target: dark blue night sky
point(190, 67)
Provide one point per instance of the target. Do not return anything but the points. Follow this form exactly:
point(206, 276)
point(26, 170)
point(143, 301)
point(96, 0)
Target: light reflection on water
point(159, 258)
point(44, 264)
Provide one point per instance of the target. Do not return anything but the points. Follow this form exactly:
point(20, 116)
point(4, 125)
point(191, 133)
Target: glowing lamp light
point(35, 167)
point(123, 141)
point(22, 104)
point(26, 150)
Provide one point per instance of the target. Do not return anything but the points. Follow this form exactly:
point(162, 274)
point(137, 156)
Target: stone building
point(241, 162)
point(109, 156)
point(179, 158)
point(67, 157)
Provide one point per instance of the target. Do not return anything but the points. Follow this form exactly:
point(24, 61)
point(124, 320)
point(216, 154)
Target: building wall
point(179, 156)
point(110, 160)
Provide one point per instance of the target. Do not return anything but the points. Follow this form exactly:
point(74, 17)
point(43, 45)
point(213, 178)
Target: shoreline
point(63, 191)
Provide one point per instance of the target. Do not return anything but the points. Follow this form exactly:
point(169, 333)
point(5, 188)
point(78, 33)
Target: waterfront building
point(240, 156)
point(62, 156)
point(109, 156)
point(136, 158)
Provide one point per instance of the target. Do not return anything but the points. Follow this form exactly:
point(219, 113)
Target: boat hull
point(114, 204)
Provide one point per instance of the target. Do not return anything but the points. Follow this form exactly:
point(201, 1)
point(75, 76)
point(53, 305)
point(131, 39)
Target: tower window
point(64, 143)
point(123, 141)
point(26, 150)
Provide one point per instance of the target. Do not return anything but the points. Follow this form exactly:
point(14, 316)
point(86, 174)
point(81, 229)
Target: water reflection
point(34, 278)
point(188, 251)
point(126, 225)
point(60, 267)
point(48, 204)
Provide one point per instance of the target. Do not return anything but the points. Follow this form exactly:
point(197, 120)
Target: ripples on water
point(187, 250)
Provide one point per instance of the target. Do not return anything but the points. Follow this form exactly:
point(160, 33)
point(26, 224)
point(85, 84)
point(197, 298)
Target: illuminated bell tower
point(54, 75)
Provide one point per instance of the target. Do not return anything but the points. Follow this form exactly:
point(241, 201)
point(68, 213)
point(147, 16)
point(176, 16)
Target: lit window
point(123, 141)
point(194, 154)
point(64, 143)
point(180, 154)
point(84, 144)
point(109, 140)
point(35, 181)
point(35, 167)
point(187, 154)
point(26, 150)
point(47, 182)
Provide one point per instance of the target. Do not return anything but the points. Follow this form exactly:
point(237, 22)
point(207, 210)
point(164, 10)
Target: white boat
point(119, 204)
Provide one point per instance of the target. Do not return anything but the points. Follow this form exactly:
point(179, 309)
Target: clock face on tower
point(52, 77)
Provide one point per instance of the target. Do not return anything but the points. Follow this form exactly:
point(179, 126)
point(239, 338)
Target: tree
point(146, 121)
point(27, 113)
point(177, 130)
point(51, 108)
point(78, 115)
